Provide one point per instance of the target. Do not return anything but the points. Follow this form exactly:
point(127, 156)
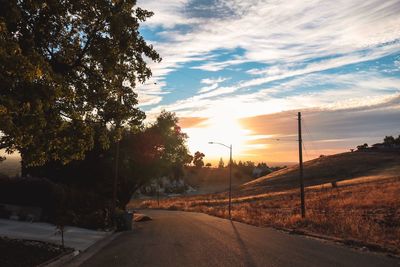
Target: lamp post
point(230, 174)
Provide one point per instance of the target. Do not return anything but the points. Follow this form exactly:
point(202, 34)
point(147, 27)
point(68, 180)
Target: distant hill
point(212, 180)
point(327, 169)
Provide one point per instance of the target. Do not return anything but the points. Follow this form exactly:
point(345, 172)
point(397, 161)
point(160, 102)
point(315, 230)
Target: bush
point(59, 203)
point(30, 192)
point(96, 219)
point(121, 222)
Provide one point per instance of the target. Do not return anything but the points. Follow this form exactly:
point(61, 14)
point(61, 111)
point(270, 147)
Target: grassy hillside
point(213, 180)
point(327, 169)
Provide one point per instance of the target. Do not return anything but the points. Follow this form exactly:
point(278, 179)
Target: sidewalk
point(74, 237)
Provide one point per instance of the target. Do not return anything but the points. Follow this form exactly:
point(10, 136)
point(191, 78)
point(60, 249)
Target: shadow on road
point(248, 260)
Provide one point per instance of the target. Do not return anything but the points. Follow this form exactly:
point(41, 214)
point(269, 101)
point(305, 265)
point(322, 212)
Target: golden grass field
point(365, 207)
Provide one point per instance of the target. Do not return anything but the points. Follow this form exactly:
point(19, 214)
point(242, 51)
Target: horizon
point(238, 73)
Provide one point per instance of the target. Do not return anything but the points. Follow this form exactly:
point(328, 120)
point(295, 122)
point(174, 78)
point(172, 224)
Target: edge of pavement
point(76, 258)
point(356, 244)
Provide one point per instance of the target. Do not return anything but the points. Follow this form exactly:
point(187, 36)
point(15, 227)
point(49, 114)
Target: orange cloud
point(191, 122)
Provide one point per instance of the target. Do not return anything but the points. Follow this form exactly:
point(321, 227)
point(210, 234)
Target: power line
point(312, 140)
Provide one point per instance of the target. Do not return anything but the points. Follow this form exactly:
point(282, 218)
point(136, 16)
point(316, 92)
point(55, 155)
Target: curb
point(348, 242)
point(64, 255)
point(76, 257)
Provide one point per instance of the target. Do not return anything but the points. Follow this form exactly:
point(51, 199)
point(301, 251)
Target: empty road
point(177, 238)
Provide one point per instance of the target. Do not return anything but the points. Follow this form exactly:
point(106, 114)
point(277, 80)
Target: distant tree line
point(389, 142)
point(247, 168)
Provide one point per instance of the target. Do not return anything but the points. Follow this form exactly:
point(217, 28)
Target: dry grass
point(367, 210)
point(211, 180)
point(338, 167)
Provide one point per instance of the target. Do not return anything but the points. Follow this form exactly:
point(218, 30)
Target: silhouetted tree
point(362, 147)
point(145, 153)
point(397, 141)
point(158, 150)
point(221, 163)
point(198, 159)
point(389, 141)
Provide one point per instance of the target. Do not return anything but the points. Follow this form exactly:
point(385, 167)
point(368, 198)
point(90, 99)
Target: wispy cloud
point(324, 131)
point(211, 84)
point(341, 91)
point(284, 35)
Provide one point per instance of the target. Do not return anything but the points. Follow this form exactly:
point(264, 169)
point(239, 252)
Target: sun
point(217, 129)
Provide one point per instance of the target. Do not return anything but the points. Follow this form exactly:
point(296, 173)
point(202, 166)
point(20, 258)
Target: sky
point(237, 72)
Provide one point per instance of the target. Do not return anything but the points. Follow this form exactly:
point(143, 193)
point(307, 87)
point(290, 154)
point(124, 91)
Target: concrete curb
point(64, 255)
point(76, 257)
point(348, 242)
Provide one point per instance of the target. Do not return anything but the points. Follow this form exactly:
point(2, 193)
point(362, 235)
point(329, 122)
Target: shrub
point(59, 203)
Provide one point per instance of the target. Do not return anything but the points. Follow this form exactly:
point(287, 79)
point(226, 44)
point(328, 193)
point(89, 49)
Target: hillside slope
point(213, 180)
point(328, 169)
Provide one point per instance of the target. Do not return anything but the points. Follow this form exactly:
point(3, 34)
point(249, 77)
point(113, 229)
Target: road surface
point(177, 238)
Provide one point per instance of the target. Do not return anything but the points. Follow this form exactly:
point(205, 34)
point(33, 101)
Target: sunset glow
point(220, 129)
point(243, 69)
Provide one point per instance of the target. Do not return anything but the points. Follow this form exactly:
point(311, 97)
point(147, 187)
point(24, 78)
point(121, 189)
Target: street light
point(230, 174)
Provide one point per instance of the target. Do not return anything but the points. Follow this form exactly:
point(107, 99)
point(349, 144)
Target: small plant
point(60, 230)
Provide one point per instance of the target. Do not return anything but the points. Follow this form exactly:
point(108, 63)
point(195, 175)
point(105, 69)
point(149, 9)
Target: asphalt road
point(176, 238)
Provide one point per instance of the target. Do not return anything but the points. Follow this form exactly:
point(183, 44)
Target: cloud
point(211, 84)
point(166, 13)
point(191, 122)
point(324, 131)
point(325, 91)
point(217, 66)
point(284, 35)
point(213, 81)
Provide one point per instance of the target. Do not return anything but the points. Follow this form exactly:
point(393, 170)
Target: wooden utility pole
point(303, 208)
point(230, 181)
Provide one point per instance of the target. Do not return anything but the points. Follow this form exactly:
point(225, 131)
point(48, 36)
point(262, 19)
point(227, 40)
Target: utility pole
point(303, 208)
point(230, 181)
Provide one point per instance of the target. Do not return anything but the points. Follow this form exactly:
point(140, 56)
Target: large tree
point(155, 151)
point(67, 67)
point(145, 154)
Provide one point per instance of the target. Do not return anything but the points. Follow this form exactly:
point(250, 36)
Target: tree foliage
point(390, 140)
point(221, 163)
point(66, 66)
point(146, 153)
point(362, 147)
point(198, 159)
